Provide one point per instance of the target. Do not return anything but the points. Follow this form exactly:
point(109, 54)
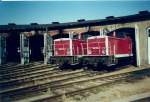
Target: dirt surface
point(117, 92)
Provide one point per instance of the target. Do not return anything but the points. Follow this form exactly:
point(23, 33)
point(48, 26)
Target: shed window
point(26, 42)
point(149, 32)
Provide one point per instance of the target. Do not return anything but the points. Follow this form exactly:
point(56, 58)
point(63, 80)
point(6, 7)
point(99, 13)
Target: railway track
point(36, 79)
point(58, 85)
point(58, 92)
point(31, 74)
point(8, 65)
point(13, 75)
point(18, 67)
point(50, 78)
point(41, 84)
point(13, 65)
point(62, 76)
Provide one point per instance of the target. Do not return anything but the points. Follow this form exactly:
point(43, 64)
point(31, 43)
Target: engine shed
point(33, 42)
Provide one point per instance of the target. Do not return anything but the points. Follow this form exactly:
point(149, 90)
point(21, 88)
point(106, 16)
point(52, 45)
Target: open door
point(149, 46)
point(2, 49)
point(36, 47)
point(24, 49)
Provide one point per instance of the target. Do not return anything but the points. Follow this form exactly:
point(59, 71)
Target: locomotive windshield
point(86, 35)
point(60, 36)
point(75, 36)
point(118, 34)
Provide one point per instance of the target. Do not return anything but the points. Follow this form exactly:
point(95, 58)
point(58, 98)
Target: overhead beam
point(75, 30)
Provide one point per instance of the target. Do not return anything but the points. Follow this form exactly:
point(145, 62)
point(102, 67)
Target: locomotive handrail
point(84, 49)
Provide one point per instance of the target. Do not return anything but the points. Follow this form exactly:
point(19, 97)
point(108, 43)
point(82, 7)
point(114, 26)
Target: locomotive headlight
point(56, 52)
point(89, 51)
point(68, 51)
point(103, 51)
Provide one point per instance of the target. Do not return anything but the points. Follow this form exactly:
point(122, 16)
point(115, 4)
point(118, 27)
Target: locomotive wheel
point(90, 66)
point(99, 66)
point(64, 65)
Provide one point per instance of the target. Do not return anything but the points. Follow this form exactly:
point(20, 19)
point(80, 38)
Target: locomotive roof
point(141, 16)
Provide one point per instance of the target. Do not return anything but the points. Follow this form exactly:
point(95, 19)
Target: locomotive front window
point(89, 34)
point(75, 36)
point(121, 35)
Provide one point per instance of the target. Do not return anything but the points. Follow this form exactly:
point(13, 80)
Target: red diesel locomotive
point(68, 51)
point(94, 51)
point(108, 50)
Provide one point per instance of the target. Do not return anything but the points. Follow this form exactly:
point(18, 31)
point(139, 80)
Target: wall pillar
point(48, 49)
point(45, 49)
point(141, 38)
point(24, 49)
point(137, 45)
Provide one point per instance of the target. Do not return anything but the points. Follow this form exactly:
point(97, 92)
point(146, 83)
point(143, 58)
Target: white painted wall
point(24, 50)
point(45, 49)
point(148, 32)
point(137, 45)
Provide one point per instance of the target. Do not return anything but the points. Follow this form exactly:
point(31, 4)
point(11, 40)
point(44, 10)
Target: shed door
point(24, 47)
point(149, 45)
point(2, 49)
